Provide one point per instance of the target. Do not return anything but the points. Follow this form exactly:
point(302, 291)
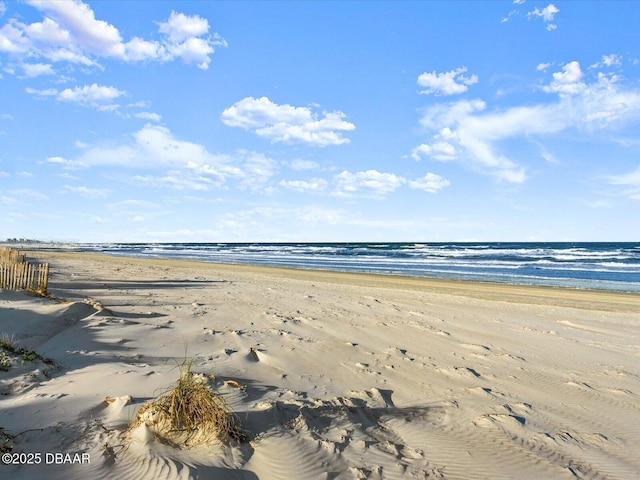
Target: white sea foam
point(598, 265)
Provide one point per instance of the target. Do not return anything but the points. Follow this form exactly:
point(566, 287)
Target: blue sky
point(319, 121)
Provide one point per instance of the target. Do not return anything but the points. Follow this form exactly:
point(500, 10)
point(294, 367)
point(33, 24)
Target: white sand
point(352, 376)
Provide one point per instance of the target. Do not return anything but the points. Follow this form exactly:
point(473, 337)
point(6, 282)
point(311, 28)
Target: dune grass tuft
point(191, 413)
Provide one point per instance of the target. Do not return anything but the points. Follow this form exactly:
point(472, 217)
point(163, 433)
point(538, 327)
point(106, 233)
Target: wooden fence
point(18, 274)
point(9, 256)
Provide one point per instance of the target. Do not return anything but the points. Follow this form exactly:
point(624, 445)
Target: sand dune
point(334, 376)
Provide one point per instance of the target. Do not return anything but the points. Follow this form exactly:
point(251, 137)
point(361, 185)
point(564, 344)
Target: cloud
point(186, 165)
point(48, 92)
point(154, 117)
point(286, 123)
point(512, 12)
point(509, 15)
point(300, 164)
point(66, 163)
point(77, 21)
point(429, 183)
point(630, 180)
point(447, 83)
point(256, 170)
point(88, 192)
point(370, 183)
point(70, 32)
point(547, 14)
point(568, 80)
point(176, 180)
point(152, 146)
point(612, 60)
point(94, 95)
point(100, 97)
point(179, 27)
point(314, 185)
point(184, 34)
point(140, 50)
point(155, 145)
point(377, 185)
point(193, 50)
point(21, 197)
point(37, 69)
point(465, 131)
point(441, 151)
point(442, 114)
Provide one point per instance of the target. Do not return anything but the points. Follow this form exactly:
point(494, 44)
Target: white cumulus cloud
point(441, 151)
point(446, 83)
point(193, 50)
point(138, 50)
point(180, 27)
point(37, 69)
point(571, 72)
point(76, 20)
point(568, 80)
point(547, 14)
point(286, 123)
point(429, 183)
point(93, 95)
point(70, 32)
point(370, 183)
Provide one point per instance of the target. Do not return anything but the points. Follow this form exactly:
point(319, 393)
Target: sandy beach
point(333, 375)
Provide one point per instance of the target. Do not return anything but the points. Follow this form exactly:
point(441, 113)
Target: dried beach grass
point(191, 414)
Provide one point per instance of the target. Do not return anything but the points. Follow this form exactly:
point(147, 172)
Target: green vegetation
point(5, 361)
point(9, 350)
point(5, 442)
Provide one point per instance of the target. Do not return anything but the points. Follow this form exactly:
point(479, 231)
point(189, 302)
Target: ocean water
point(608, 266)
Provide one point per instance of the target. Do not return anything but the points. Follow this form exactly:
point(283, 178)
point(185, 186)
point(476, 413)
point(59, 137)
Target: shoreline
point(613, 266)
point(608, 300)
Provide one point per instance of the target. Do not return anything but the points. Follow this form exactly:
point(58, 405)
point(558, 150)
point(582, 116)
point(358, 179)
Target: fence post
point(45, 279)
